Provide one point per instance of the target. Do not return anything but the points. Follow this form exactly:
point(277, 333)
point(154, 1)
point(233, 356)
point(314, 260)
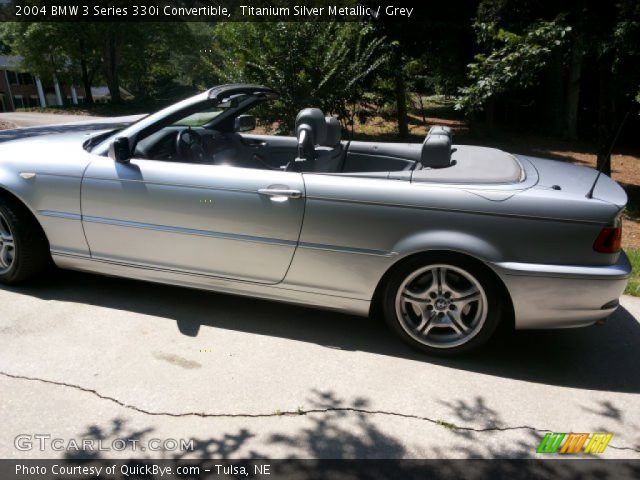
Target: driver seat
point(319, 145)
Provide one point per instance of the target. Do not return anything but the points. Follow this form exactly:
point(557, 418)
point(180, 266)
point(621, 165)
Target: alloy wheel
point(7, 245)
point(441, 306)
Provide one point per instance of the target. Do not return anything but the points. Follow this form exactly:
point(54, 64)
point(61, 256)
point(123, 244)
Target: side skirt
point(280, 293)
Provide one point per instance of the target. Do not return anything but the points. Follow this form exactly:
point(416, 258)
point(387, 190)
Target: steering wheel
point(189, 146)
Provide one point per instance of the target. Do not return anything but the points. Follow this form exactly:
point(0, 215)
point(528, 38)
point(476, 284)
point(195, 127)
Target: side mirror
point(119, 150)
point(244, 123)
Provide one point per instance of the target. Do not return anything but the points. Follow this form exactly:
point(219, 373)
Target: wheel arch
point(440, 254)
point(6, 193)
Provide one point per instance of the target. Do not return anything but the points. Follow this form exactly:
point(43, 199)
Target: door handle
point(280, 192)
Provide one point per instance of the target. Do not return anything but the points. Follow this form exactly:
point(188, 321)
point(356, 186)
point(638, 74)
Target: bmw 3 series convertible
point(445, 241)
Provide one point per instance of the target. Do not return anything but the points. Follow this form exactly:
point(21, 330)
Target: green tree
point(39, 45)
point(575, 56)
point(327, 65)
point(145, 57)
point(514, 61)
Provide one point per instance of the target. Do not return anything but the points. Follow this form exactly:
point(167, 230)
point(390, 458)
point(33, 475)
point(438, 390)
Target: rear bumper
point(561, 296)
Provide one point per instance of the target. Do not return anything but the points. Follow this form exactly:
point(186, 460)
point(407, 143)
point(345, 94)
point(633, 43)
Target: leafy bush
point(324, 65)
point(514, 61)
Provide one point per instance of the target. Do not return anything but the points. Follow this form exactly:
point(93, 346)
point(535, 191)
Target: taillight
point(609, 240)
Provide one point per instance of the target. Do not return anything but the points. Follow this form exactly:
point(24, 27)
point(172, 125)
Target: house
point(20, 89)
point(102, 95)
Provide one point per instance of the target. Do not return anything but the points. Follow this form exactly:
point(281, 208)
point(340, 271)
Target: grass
point(633, 287)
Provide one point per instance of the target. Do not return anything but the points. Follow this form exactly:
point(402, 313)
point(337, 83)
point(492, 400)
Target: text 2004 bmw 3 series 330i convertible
point(446, 241)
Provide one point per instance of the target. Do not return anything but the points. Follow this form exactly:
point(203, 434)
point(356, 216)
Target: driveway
point(17, 125)
point(37, 119)
point(90, 357)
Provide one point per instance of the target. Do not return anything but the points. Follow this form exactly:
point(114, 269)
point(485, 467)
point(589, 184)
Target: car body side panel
point(205, 219)
point(537, 239)
point(53, 192)
point(349, 239)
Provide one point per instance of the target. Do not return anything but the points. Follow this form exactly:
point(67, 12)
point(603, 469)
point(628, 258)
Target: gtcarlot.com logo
point(27, 442)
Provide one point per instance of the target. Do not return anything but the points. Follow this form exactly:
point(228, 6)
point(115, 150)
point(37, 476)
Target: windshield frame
point(210, 98)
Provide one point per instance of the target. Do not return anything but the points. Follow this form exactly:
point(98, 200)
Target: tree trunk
point(401, 98)
point(111, 67)
point(605, 114)
point(86, 81)
point(573, 88)
point(401, 102)
point(555, 94)
point(423, 113)
point(490, 110)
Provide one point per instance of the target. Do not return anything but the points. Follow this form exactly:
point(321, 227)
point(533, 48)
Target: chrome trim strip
point(189, 231)
point(53, 213)
point(335, 248)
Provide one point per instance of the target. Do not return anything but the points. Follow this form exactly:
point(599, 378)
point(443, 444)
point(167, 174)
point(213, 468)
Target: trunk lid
point(576, 181)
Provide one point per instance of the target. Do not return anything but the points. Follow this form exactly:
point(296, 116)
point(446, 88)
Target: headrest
point(436, 149)
point(334, 132)
point(440, 130)
point(312, 120)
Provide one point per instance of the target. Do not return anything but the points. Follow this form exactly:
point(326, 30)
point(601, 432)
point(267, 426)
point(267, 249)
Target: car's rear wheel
point(442, 306)
point(24, 249)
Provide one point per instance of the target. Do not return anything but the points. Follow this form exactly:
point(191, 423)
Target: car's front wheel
point(24, 250)
point(442, 306)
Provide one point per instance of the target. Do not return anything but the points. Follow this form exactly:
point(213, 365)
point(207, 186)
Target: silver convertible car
point(445, 241)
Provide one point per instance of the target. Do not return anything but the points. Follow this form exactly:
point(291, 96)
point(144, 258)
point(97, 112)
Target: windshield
point(195, 112)
point(200, 119)
point(204, 117)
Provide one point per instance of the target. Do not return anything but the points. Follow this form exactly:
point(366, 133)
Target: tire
point(443, 305)
point(24, 249)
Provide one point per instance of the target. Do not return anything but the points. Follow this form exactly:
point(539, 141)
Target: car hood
point(49, 154)
point(45, 146)
point(60, 131)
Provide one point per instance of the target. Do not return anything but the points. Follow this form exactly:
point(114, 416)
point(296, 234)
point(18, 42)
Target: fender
point(450, 240)
point(15, 186)
point(51, 195)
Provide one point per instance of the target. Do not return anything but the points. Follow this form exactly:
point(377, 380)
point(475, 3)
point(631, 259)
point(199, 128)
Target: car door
point(222, 221)
point(274, 151)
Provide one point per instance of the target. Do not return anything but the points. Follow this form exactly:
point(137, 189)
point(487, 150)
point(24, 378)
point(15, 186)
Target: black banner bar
point(208, 11)
point(104, 469)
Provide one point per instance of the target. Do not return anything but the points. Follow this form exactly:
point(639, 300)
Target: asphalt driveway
point(38, 119)
point(97, 359)
point(17, 125)
point(90, 357)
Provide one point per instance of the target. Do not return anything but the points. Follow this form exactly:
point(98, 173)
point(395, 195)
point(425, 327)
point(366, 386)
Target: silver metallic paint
point(329, 248)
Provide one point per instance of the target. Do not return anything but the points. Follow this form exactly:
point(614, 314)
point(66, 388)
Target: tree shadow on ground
point(596, 358)
point(333, 430)
point(491, 437)
point(338, 443)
